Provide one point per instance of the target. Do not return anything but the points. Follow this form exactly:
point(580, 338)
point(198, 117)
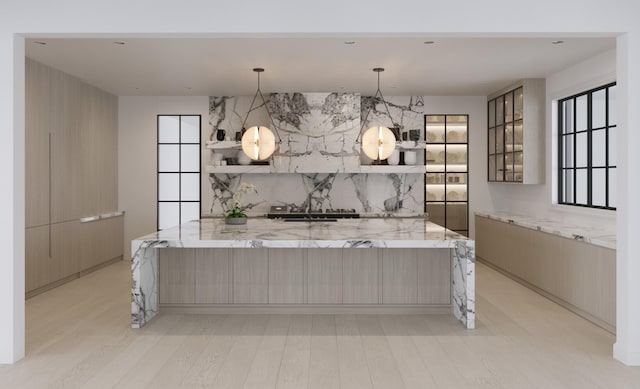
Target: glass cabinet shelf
point(446, 180)
point(516, 132)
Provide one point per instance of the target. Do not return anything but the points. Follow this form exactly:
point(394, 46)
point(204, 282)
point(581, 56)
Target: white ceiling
point(222, 66)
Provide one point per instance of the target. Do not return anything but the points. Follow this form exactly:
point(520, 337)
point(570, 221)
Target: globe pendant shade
point(258, 143)
point(378, 142)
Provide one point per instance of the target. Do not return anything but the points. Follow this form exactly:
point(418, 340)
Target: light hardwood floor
point(78, 336)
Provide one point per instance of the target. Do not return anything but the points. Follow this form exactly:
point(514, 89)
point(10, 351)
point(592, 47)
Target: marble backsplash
point(319, 152)
point(368, 194)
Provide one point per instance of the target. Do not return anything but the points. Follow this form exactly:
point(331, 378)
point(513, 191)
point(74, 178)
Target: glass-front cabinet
point(515, 133)
point(446, 188)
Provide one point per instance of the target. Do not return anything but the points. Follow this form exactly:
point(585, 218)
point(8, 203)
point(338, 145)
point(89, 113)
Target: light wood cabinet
point(434, 277)
point(213, 273)
point(38, 257)
point(579, 275)
point(360, 272)
point(250, 276)
point(71, 172)
point(297, 276)
point(177, 273)
point(37, 145)
point(325, 276)
point(287, 276)
point(400, 276)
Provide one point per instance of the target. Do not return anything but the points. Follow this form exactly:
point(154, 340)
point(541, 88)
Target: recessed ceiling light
point(119, 43)
point(428, 42)
point(40, 43)
point(349, 42)
point(557, 42)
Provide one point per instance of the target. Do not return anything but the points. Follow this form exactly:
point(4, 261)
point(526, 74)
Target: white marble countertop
point(344, 233)
point(593, 235)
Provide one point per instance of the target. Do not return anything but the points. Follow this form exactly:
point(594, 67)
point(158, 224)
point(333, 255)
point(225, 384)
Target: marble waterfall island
point(368, 265)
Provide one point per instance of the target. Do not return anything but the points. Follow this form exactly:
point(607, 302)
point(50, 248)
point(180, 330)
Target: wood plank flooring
point(78, 336)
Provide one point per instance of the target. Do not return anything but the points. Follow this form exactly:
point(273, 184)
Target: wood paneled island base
point(271, 266)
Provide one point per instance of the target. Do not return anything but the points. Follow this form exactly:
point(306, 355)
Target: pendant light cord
point(264, 103)
point(378, 92)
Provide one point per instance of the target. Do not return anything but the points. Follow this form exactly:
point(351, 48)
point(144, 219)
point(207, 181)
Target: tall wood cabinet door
point(89, 246)
point(434, 276)
point(71, 248)
point(177, 276)
point(360, 276)
point(71, 148)
point(37, 151)
point(250, 276)
point(399, 276)
point(213, 276)
point(58, 120)
point(43, 256)
point(108, 167)
point(287, 276)
point(111, 238)
point(324, 276)
point(37, 257)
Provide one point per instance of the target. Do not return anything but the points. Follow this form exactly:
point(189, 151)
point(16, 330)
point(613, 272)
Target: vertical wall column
point(627, 346)
point(12, 198)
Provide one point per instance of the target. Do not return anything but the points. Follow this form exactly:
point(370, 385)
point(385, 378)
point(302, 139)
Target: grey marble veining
point(594, 235)
point(266, 233)
point(319, 139)
point(318, 131)
point(372, 195)
point(405, 111)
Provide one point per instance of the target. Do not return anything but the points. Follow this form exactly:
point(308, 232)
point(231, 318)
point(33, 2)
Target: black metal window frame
point(445, 171)
point(180, 171)
point(501, 154)
point(565, 135)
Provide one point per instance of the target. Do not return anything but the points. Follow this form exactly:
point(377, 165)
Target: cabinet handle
point(50, 194)
point(101, 217)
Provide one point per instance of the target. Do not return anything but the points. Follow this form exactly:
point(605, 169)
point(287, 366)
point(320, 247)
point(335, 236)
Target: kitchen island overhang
point(384, 234)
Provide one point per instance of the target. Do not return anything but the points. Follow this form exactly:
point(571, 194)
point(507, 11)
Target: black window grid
point(571, 135)
point(180, 172)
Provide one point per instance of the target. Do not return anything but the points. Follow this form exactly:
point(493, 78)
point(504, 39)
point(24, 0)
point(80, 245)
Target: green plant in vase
point(236, 214)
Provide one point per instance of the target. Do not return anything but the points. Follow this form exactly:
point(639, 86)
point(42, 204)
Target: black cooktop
point(280, 212)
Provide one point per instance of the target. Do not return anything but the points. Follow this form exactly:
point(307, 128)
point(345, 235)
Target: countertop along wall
point(540, 200)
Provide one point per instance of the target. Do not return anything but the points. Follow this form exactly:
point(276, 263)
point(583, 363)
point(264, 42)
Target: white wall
point(540, 200)
point(426, 18)
point(137, 167)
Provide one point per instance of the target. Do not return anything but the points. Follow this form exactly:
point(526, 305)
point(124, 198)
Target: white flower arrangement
point(236, 210)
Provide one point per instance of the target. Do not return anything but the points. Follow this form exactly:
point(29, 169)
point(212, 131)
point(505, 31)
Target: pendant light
point(258, 142)
point(378, 142)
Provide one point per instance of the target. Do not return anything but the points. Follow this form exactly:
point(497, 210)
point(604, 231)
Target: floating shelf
point(225, 144)
point(410, 145)
point(419, 169)
point(238, 169)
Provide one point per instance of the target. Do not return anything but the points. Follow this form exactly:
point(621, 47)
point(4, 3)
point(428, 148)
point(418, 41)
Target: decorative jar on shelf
point(243, 159)
point(394, 158)
point(410, 157)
